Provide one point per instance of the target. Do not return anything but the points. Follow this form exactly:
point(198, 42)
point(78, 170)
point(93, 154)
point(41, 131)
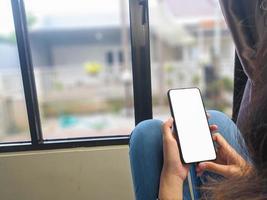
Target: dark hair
point(253, 185)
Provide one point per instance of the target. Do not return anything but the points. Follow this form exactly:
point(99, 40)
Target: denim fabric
point(146, 155)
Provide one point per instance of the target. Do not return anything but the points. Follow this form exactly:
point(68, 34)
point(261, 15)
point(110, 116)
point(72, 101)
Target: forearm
point(171, 187)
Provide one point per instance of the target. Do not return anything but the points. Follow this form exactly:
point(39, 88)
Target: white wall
point(72, 174)
point(9, 56)
point(73, 54)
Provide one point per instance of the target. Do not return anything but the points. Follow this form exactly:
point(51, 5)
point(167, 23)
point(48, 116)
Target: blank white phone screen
point(192, 127)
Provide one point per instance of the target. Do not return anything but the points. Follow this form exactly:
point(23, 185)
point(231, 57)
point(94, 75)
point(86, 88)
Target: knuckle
point(217, 135)
point(230, 170)
point(214, 136)
point(209, 166)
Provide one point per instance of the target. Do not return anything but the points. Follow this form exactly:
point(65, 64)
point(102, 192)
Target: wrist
point(171, 186)
point(173, 173)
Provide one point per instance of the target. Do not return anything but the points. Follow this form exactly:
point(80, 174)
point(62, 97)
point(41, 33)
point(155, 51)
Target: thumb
point(223, 170)
point(167, 131)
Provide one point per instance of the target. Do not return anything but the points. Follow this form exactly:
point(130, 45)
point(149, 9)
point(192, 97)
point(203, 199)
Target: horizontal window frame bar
point(64, 144)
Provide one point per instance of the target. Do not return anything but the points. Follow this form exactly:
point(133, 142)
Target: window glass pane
point(190, 46)
point(13, 114)
point(84, 87)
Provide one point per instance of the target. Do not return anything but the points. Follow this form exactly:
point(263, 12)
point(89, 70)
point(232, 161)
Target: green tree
point(228, 84)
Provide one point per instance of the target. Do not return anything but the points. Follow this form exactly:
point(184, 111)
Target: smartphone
point(191, 125)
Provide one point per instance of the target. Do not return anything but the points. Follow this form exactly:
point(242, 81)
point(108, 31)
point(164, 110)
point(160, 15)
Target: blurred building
point(74, 52)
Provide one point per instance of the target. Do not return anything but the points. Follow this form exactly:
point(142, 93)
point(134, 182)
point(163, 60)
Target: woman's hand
point(172, 162)
point(174, 172)
point(228, 163)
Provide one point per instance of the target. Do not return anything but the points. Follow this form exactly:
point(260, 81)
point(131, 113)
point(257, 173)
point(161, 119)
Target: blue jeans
point(146, 155)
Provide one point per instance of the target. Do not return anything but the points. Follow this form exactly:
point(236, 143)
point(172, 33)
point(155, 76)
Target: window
point(190, 47)
point(120, 57)
point(81, 92)
point(78, 92)
point(110, 59)
point(13, 115)
point(78, 61)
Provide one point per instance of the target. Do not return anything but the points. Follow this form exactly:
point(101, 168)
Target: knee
point(217, 117)
point(216, 113)
point(146, 131)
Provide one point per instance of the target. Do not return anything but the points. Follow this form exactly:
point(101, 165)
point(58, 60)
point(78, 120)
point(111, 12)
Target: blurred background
point(191, 47)
point(81, 53)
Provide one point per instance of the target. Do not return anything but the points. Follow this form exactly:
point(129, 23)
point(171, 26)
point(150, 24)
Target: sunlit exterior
point(82, 64)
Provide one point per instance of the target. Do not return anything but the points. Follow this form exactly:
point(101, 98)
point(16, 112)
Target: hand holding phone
point(174, 172)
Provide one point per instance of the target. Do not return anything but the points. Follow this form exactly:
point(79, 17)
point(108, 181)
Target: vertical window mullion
point(139, 25)
point(25, 58)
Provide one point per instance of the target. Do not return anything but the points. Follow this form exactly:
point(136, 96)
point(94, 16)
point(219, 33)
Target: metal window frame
point(27, 73)
point(139, 28)
point(140, 44)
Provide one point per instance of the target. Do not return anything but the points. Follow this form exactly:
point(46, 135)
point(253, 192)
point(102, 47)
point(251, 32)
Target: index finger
point(217, 137)
point(223, 144)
